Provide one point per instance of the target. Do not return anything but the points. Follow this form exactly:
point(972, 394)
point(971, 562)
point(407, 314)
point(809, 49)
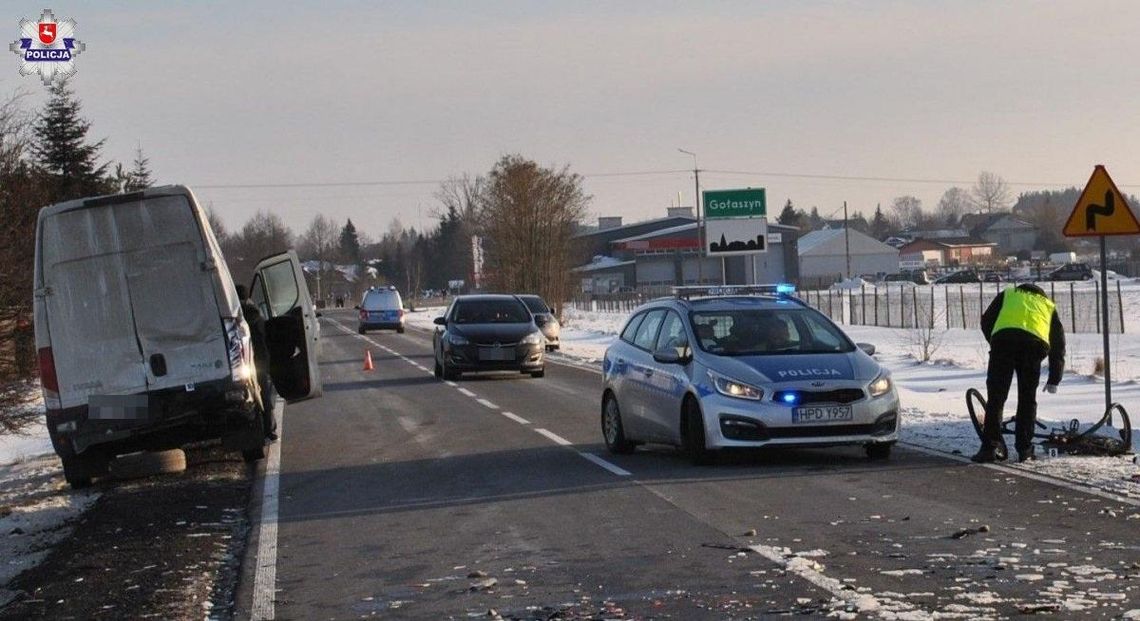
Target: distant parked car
point(918, 277)
point(991, 277)
point(545, 320)
point(959, 277)
point(1071, 271)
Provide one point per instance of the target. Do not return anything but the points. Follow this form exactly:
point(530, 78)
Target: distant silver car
point(737, 370)
point(545, 320)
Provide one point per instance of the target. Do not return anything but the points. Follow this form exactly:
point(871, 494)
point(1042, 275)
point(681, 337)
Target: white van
point(140, 335)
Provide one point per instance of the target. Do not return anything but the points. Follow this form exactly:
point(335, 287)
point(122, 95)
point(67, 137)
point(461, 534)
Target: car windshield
point(535, 304)
point(768, 331)
point(490, 311)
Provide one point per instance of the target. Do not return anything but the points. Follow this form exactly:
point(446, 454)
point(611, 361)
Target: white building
point(823, 256)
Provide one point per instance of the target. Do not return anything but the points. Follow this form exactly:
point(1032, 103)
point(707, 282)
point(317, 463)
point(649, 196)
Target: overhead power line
point(642, 173)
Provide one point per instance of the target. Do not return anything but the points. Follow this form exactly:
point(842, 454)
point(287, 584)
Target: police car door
point(667, 382)
point(291, 330)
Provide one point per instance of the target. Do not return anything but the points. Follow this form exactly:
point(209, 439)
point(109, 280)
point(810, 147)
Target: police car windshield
point(767, 331)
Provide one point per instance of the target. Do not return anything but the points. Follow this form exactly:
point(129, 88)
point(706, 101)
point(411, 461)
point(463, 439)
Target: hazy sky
point(365, 92)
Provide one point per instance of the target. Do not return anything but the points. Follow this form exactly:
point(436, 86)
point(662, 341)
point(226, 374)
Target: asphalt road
point(404, 496)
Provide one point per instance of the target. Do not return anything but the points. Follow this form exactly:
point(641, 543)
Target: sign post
point(1102, 211)
point(736, 223)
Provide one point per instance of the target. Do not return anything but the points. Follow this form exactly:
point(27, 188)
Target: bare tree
point(991, 193)
point(954, 204)
point(320, 243)
point(527, 216)
point(263, 235)
point(907, 212)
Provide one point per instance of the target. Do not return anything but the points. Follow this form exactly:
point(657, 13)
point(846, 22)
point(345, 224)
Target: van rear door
point(291, 329)
point(130, 297)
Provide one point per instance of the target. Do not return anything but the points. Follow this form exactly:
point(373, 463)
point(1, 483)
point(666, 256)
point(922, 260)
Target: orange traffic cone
point(367, 360)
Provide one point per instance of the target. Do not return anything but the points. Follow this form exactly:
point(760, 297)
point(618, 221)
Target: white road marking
point(265, 575)
point(451, 383)
point(467, 392)
point(804, 568)
point(621, 472)
point(487, 404)
point(557, 439)
point(518, 419)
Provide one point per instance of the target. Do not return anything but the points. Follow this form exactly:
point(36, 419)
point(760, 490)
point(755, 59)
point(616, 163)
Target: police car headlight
point(534, 338)
point(881, 386)
point(456, 339)
point(732, 388)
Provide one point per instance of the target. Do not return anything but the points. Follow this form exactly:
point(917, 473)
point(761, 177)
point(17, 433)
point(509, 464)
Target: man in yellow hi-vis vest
point(1022, 327)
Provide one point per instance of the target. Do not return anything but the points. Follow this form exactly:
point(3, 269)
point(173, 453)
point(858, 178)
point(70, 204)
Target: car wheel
point(879, 451)
point(539, 373)
point(693, 440)
point(449, 374)
point(438, 370)
point(613, 432)
point(360, 330)
point(400, 330)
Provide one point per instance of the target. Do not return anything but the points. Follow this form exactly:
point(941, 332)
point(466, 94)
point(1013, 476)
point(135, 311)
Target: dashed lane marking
point(557, 439)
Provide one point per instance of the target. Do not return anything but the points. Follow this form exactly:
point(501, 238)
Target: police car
point(743, 367)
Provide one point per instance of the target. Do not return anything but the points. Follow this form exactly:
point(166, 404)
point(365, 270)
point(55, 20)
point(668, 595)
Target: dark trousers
point(1013, 351)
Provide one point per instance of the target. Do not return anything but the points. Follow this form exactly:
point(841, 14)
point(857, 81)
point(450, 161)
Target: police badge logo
point(47, 47)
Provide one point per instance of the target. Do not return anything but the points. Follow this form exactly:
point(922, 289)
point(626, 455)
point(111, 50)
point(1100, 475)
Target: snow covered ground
point(933, 393)
point(35, 503)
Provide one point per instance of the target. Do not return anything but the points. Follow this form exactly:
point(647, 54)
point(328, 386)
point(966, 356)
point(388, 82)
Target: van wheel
point(146, 464)
point(80, 470)
point(693, 441)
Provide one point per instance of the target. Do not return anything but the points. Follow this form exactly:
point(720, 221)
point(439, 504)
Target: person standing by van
point(257, 338)
point(1022, 328)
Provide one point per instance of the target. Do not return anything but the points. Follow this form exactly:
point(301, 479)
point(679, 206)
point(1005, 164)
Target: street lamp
point(700, 225)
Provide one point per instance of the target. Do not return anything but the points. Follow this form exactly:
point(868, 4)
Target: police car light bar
point(688, 292)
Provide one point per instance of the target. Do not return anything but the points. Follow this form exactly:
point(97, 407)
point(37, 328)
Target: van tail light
point(49, 381)
point(238, 349)
point(401, 313)
point(363, 314)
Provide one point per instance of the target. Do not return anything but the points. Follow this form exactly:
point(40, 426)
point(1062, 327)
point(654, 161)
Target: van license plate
point(821, 414)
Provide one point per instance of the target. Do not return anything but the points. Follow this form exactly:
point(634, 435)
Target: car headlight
point(456, 339)
point(881, 386)
point(534, 338)
point(732, 388)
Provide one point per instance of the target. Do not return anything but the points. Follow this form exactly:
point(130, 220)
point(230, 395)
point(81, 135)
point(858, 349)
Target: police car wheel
point(612, 430)
point(400, 330)
point(693, 436)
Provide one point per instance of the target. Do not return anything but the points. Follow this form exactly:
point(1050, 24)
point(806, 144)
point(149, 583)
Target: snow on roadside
point(35, 503)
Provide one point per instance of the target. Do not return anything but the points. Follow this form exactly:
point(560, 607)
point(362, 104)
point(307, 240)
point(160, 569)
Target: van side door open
point(291, 330)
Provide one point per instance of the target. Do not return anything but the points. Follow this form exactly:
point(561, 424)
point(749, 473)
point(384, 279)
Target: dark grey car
point(487, 333)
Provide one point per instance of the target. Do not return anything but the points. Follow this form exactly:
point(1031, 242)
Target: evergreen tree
point(350, 243)
point(815, 221)
point(880, 226)
point(791, 216)
point(61, 149)
point(139, 178)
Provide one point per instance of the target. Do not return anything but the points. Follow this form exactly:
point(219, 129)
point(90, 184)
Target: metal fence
point(960, 306)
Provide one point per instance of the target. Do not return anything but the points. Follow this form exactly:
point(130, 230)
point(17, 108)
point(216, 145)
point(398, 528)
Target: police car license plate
point(496, 353)
point(821, 414)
